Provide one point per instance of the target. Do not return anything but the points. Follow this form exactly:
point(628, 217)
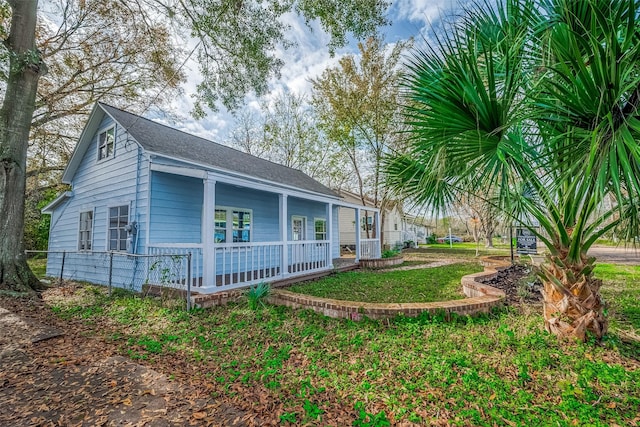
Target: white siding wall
point(392, 236)
point(335, 234)
point(176, 208)
point(98, 185)
point(348, 227)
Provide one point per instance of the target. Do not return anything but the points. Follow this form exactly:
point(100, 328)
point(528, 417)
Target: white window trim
point(116, 205)
point(304, 227)
point(93, 223)
point(229, 222)
point(325, 228)
point(365, 220)
point(100, 132)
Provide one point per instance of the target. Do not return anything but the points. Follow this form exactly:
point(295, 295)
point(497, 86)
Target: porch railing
point(182, 249)
point(309, 256)
point(369, 248)
point(241, 264)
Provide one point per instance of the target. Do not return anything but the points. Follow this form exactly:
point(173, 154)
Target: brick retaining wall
point(381, 262)
point(481, 298)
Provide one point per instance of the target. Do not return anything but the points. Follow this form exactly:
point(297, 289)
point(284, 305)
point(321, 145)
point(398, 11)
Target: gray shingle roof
point(164, 140)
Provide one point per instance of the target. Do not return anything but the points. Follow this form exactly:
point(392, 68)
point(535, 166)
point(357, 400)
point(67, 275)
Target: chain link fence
point(139, 273)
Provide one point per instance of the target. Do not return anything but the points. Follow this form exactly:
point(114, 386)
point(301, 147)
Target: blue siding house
point(141, 188)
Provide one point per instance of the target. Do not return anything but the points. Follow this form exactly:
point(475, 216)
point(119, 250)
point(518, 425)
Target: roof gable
point(159, 139)
point(156, 138)
point(86, 138)
point(355, 198)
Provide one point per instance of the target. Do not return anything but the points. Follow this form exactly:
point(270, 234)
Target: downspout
point(137, 213)
point(148, 218)
point(136, 263)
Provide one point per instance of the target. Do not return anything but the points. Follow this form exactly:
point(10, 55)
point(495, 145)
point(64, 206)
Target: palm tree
point(537, 101)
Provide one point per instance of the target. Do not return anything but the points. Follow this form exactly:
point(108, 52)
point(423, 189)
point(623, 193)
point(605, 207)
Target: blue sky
point(410, 18)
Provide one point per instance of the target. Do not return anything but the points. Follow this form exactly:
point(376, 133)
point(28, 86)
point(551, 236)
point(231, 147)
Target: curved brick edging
point(481, 298)
point(471, 288)
point(381, 262)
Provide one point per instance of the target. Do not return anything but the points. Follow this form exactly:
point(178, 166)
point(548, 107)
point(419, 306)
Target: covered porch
point(241, 232)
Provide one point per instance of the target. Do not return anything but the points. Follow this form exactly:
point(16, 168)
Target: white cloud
point(307, 59)
point(422, 12)
point(304, 61)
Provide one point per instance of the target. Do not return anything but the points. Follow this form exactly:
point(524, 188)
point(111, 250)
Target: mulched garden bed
point(518, 282)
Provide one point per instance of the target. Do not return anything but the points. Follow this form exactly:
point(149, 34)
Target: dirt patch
point(18, 331)
point(518, 283)
point(426, 264)
point(77, 378)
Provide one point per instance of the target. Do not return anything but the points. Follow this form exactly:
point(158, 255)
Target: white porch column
point(358, 232)
point(376, 217)
point(208, 230)
point(284, 266)
point(330, 232)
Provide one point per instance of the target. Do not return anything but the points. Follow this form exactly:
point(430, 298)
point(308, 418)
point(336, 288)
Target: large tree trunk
point(488, 239)
point(25, 68)
point(573, 305)
point(488, 225)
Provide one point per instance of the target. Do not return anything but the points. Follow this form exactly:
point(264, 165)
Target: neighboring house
point(415, 229)
point(397, 229)
point(393, 229)
point(139, 187)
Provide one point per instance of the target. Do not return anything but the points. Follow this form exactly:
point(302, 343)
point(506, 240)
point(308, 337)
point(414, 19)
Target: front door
point(298, 228)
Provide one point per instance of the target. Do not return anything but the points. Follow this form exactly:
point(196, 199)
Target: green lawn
point(38, 266)
point(501, 369)
point(420, 285)
point(620, 289)
point(459, 250)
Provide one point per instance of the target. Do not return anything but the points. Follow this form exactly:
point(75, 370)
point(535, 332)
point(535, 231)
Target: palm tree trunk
point(25, 68)
point(572, 301)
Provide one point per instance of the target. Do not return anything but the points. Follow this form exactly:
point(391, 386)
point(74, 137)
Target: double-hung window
point(366, 223)
point(220, 226)
point(118, 220)
point(85, 233)
point(106, 143)
point(232, 225)
point(320, 226)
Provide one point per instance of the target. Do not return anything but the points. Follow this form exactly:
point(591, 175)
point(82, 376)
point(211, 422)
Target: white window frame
point(89, 241)
point(120, 229)
point(368, 220)
point(315, 231)
point(303, 230)
point(216, 228)
point(109, 154)
point(229, 227)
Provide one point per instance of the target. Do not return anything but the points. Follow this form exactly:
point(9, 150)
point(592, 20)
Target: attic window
point(106, 143)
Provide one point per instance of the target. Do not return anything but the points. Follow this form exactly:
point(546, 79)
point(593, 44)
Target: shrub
point(389, 253)
point(256, 295)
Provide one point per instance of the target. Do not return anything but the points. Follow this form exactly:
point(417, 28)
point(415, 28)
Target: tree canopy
point(286, 131)
point(358, 104)
point(535, 101)
point(236, 48)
